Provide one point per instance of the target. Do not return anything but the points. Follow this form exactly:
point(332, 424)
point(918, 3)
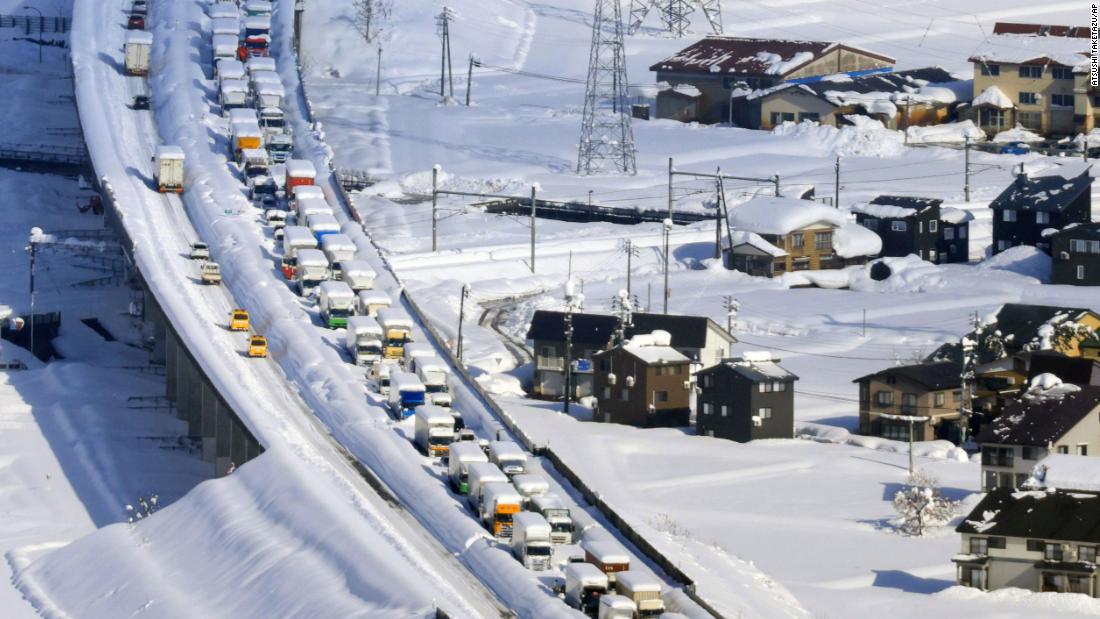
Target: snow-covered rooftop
point(1022, 49)
point(1066, 472)
point(744, 237)
point(771, 215)
point(993, 96)
point(852, 240)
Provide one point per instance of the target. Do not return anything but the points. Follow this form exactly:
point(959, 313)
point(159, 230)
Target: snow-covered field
point(812, 516)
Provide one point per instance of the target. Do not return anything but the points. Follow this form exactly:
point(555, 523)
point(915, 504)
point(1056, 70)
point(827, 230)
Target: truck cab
point(480, 474)
point(397, 327)
point(406, 393)
point(380, 374)
point(364, 340)
point(295, 238)
point(369, 302)
point(339, 249)
point(211, 273)
point(310, 270)
point(434, 430)
point(322, 225)
point(280, 146)
point(335, 301)
point(557, 514)
point(434, 373)
point(232, 94)
point(255, 164)
point(460, 456)
point(509, 456)
point(499, 505)
point(531, 541)
point(585, 584)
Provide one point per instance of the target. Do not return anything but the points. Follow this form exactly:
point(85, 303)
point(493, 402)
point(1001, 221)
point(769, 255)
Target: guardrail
point(583, 212)
point(34, 23)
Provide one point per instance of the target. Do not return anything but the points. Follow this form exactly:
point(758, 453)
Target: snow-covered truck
point(229, 69)
point(406, 393)
point(242, 116)
point(530, 486)
point(272, 120)
point(280, 146)
point(358, 274)
point(223, 10)
point(461, 455)
point(479, 474)
point(434, 373)
point(261, 63)
point(369, 302)
point(233, 95)
point(335, 301)
point(499, 504)
point(584, 585)
point(322, 224)
point(609, 557)
point(509, 456)
point(300, 192)
point(257, 7)
point(616, 607)
point(310, 270)
point(434, 430)
point(136, 52)
point(642, 589)
point(299, 172)
point(311, 205)
point(269, 96)
point(380, 374)
point(531, 541)
point(417, 352)
point(168, 173)
point(557, 514)
point(295, 238)
point(254, 162)
point(339, 248)
point(246, 137)
point(398, 332)
point(364, 340)
point(225, 46)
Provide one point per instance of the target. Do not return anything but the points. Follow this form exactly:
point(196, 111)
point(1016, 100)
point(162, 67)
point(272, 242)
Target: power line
point(815, 354)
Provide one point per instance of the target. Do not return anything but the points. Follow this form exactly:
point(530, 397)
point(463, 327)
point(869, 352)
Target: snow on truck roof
point(300, 168)
point(270, 88)
point(257, 22)
point(500, 492)
point(299, 234)
point(637, 581)
point(308, 256)
point(606, 552)
point(363, 324)
point(532, 521)
point(336, 289)
point(374, 296)
point(547, 500)
point(586, 574)
point(506, 449)
point(487, 471)
point(617, 602)
point(242, 115)
point(139, 37)
point(394, 317)
point(322, 219)
point(236, 85)
point(403, 381)
point(357, 267)
point(262, 63)
point(223, 41)
point(337, 241)
point(530, 484)
point(168, 151)
point(467, 451)
point(434, 414)
point(301, 192)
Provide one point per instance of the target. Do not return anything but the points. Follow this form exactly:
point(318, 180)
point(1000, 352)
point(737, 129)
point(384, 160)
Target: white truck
point(272, 119)
point(499, 505)
point(301, 192)
point(557, 514)
point(257, 7)
point(169, 169)
point(564, 554)
point(311, 205)
point(241, 116)
point(616, 607)
point(295, 238)
point(642, 589)
point(276, 218)
point(225, 46)
point(322, 224)
point(269, 96)
point(607, 555)
point(255, 78)
point(584, 585)
point(229, 69)
point(338, 248)
point(434, 373)
point(368, 302)
point(461, 455)
point(364, 340)
point(417, 352)
point(310, 270)
point(531, 541)
point(358, 274)
point(509, 456)
point(280, 146)
point(233, 94)
point(226, 26)
point(479, 474)
point(335, 301)
point(380, 374)
point(222, 10)
point(530, 486)
point(137, 47)
point(406, 394)
point(261, 63)
point(434, 430)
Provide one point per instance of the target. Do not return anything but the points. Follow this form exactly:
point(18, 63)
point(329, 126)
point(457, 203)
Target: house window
point(972, 576)
point(895, 431)
point(908, 403)
point(1061, 100)
point(1008, 215)
point(884, 398)
point(993, 455)
point(708, 408)
point(1082, 449)
point(898, 226)
point(962, 232)
point(1086, 553)
point(1063, 449)
point(708, 381)
point(1052, 552)
point(778, 386)
point(991, 117)
point(624, 394)
point(1030, 453)
point(990, 69)
point(933, 226)
point(764, 412)
point(979, 546)
point(949, 233)
point(870, 223)
point(1031, 120)
point(823, 240)
point(803, 116)
point(607, 393)
point(1042, 217)
point(1027, 98)
point(798, 241)
point(1061, 73)
point(660, 396)
point(1003, 245)
point(603, 365)
point(1080, 271)
point(1031, 71)
point(1035, 545)
point(774, 118)
point(725, 410)
point(939, 398)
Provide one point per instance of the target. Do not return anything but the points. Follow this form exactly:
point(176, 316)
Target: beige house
point(1024, 74)
point(930, 392)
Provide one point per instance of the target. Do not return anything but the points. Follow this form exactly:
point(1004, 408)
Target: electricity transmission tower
point(607, 140)
point(675, 14)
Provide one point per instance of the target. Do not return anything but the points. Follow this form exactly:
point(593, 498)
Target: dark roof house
point(1038, 514)
point(1041, 420)
point(1029, 206)
point(592, 329)
point(1045, 30)
point(1073, 370)
point(745, 56)
point(932, 376)
point(1075, 255)
point(1019, 323)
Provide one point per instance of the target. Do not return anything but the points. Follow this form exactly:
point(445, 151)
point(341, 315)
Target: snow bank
point(1023, 260)
point(1066, 472)
point(948, 132)
point(936, 450)
point(1017, 134)
point(1021, 602)
point(866, 137)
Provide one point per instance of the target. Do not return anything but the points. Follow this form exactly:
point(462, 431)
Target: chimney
point(1021, 176)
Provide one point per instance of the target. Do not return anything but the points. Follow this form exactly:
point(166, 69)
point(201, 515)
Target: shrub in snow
point(920, 505)
point(146, 507)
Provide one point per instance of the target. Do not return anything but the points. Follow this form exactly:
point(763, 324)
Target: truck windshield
point(439, 441)
point(436, 388)
point(370, 349)
point(539, 551)
point(253, 170)
point(504, 518)
point(339, 311)
point(562, 527)
point(274, 123)
point(264, 188)
point(459, 423)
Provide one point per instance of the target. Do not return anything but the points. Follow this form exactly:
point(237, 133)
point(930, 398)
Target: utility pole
point(378, 72)
point(461, 317)
point(34, 250)
point(907, 101)
point(435, 200)
point(649, 296)
point(445, 74)
point(670, 187)
point(969, 361)
point(776, 177)
point(718, 217)
point(836, 193)
point(469, 78)
point(668, 232)
point(966, 174)
point(568, 357)
point(534, 188)
point(630, 251)
point(732, 307)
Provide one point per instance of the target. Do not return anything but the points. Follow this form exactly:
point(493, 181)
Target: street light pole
point(668, 231)
point(34, 250)
point(41, 28)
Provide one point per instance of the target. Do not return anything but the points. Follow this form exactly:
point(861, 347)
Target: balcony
point(550, 363)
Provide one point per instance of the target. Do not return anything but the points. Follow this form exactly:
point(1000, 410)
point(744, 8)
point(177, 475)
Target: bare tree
point(371, 17)
point(921, 506)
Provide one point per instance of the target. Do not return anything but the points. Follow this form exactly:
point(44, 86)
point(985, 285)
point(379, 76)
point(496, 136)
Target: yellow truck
point(396, 332)
point(238, 320)
point(257, 346)
point(499, 504)
point(246, 137)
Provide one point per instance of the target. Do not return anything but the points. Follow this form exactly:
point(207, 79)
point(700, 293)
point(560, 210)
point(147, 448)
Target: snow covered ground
point(812, 516)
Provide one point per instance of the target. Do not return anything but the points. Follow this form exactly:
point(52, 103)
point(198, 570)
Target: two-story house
point(1040, 540)
point(999, 382)
point(932, 391)
point(1023, 74)
point(643, 382)
point(1060, 419)
point(1075, 255)
point(591, 333)
point(746, 398)
point(698, 338)
point(717, 68)
point(810, 236)
point(1033, 205)
point(919, 226)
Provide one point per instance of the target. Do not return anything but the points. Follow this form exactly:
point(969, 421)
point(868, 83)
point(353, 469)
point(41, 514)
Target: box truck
point(406, 393)
point(397, 326)
point(225, 46)
point(269, 95)
point(368, 302)
point(339, 248)
point(499, 505)
point(380, 374)
point(280, 146)
point(479, 474)
point(301, 192)
point(260, 63)
point(642, 589)
point(137, 47)
point(310, 270)
point(229, 69)
point(223, 10)
point(584, 585)
point(557, 514)
point(246, 137)
point(616, 607)
point(257, 7)
point(531, 541)
point(322, 224)
point(609, 557)
point(358, 274)
point(311, 205)
point(434, 373)
point(229, 26)
point(461, 455)
point(233, 95)
point(364, 340)
point(295, 238)
point(335, 301)
point(169, 169)
point(299, 172)
point(530, 486)
point(509, 456)
point(434, 430)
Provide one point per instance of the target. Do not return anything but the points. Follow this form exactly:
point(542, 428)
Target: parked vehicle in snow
point(230, 26)
point(135, 22)
point(531, 541)
point(257, 346)
point(338, 248)
point(257, 7)
point(435, 375)
point(169, 169)
point(398, 332)
point(238, 320)
point(310, 269)
point(509, 456)
point(584, 585)
point(136, 52)
point(199, 251)
point(299, 172)
point(364, 340)
point(499, 504)
point(530, 486)
point(246, 138)
point(461, 455)
point(406, 393)
point(565, 554)
point(223, 10)
point(260, 63)
point(280, 146)
point(295, 238)
point(643, 590)
point(268, 98)
point(322, 224)
point(229, 69)
point(434, 430)
point(211, 273)
point(557, 514)
point(233, 95)
point(369, 302)
point(225, 46)
point(300, 193)
point(479, 474)
point(272, 119)
point(255, 163)
point(616, 607)
point(380, 374)
point(335, 301)
point(358, 274)
point(609, 557)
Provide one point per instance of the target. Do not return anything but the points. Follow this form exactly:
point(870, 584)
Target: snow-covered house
point(1039, 540)
point(1033, 207)
point(643, 382)
point(1024, 73)
point(718, 67)
point(909, 225)
point(1044, 327)
point(1075, 255)
point(926, 397)
point(746, 398)
point(914, 97)
point(772, 236)
point(1050, 417)
point(999, 382)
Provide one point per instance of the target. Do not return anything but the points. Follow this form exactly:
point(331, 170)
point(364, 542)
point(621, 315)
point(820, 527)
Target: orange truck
point(299, 172)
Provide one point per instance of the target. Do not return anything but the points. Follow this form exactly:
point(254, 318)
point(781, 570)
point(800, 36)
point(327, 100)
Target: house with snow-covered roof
point(643, 382)
point(718, 66)
point(770, 236)
point(911, 225)
point(923, 400)
point(1024, 73)
point(746, 398)
point(1033, 207)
